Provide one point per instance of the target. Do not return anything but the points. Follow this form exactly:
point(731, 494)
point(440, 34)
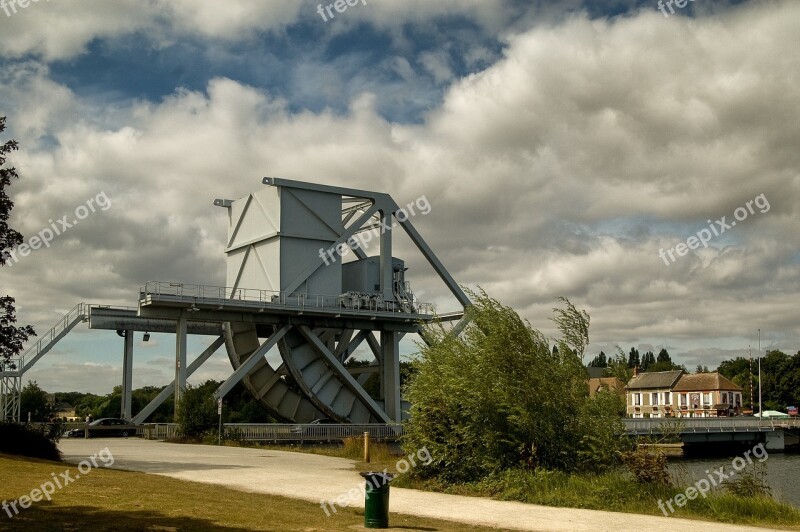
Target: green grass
point(617, 492)
point(120, 500)
point(381, 455)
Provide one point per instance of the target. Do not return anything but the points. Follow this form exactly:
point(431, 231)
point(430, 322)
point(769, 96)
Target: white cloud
point(561, 169)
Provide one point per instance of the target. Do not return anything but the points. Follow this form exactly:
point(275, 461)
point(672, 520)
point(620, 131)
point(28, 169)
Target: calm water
point(783, 473)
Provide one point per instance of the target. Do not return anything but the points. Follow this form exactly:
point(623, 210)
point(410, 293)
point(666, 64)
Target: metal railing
point(220, 295)
point(694, 425)
point(287, 432)
point(279, 432)
point(78, 313)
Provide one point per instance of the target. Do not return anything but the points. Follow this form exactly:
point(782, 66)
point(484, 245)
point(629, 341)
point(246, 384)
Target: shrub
point(197, 414)
point(749, 484)
point(648, 466)
point(499, 397)
point(24, 440)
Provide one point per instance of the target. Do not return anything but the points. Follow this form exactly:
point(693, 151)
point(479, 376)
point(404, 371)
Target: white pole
point(760, 409)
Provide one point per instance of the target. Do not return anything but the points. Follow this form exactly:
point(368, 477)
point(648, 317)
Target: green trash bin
point(376, 500)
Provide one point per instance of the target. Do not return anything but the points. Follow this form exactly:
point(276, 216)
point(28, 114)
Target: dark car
point(324, 421)
point(105, 427)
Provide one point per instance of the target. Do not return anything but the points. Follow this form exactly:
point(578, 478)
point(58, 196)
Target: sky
point(639, 159)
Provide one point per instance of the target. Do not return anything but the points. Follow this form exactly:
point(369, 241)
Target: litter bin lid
point(369, 475)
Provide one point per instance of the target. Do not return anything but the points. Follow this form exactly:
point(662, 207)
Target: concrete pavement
point(316, 478)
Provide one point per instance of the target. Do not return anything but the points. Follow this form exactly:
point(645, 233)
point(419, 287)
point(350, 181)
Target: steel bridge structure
point(292, 313)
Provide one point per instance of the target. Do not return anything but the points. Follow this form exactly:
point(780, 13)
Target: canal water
point(782, 472)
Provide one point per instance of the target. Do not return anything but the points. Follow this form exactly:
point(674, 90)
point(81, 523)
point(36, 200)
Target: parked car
point(323, 421)
point(106, 427)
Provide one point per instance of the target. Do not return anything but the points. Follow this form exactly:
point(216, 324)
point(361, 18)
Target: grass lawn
point(107, 499)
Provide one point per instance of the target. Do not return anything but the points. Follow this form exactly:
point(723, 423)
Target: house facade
point(707, 395)
point(676, 394)
point(650, 394)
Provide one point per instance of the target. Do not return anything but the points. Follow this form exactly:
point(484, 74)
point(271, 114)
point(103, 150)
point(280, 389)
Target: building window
point(637, 399)
point(654, 398)
point(683, 399)
point(667, 398)
point(725, 397)
point(706, 399)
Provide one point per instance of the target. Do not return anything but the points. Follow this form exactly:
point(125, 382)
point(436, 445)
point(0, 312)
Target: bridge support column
point(127, 377)
point(775, 440)
point(390, 374)
point(180, 361)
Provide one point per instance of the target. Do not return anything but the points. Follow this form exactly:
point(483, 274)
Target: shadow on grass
point(46, 516)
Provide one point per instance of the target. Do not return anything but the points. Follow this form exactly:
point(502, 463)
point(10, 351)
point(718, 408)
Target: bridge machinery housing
point(284, 240)
point(288, 290)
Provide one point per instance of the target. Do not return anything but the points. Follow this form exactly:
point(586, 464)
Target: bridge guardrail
point(692, 425)
point(220, 295)
point(284, 432)
point(267, 432)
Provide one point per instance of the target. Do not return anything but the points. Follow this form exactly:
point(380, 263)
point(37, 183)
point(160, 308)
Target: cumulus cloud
point(561, 169)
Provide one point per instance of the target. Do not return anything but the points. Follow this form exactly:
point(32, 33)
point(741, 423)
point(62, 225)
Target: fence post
point(366, 447)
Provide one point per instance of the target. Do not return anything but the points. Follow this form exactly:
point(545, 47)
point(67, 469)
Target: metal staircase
point(78, 314)
point(11, 374)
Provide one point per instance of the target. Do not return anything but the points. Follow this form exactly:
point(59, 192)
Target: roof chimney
point(636, 371)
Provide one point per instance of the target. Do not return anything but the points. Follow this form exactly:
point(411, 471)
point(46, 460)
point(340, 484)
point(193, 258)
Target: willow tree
point(499, 397)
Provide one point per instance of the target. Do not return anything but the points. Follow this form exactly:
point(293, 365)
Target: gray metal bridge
point(288, 287)
point(777, 433)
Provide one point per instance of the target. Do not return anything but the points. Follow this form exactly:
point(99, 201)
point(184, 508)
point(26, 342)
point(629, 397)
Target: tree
point(197, 411)
point(498, 397)
point(12, 337)
point(633, 358)
point(618, 367)
point(34, 401)
point(599, 361)
point(648, 360)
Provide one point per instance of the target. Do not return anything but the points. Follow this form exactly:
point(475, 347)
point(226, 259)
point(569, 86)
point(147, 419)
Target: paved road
point(317, 478)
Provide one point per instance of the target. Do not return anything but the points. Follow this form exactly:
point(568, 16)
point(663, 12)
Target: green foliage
point(780, 378)
point(600, 361)
point(24, 440)
point(613, 491)
point(648, 465)
point(749, 483)
point(602, 441)
point(12, 337)
point(34, 400)
point(499, 398)
point(197, 411)
point(618, 367)
point(633, 358)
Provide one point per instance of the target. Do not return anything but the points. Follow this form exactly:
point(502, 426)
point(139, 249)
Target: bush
point(749, 484)
point(197, 414)
point(24, 440)
point(500, 398)
point(648, 466)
